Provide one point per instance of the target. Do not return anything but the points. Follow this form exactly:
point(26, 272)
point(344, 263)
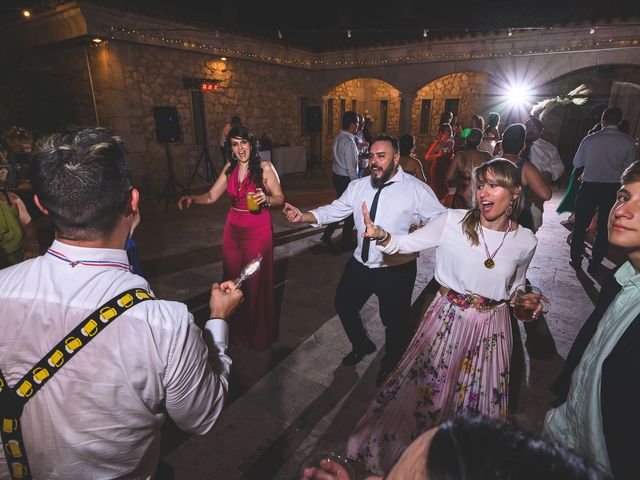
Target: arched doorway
point(377, 100)
point(461, 93)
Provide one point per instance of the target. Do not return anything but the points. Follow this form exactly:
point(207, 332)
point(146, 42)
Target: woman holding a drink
point(253, 187)
point(458, 361)
point(440, 155)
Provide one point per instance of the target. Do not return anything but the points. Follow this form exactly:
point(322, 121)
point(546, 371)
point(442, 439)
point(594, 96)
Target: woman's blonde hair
point(505, 174)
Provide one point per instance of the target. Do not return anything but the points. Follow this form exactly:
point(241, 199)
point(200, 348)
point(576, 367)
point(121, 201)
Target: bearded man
point(396, 200)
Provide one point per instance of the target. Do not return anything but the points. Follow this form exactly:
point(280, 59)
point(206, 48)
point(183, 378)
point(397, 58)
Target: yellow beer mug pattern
point(18, 470)
point(13, 449)
point(9, 425)
point(107, 313)
point(40, 374)
point(90, 328)
point(25, 389)
point(126, 300)
point(71, 344)
point(56, 359)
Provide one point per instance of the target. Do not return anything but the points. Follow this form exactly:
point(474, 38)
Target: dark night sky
point(323, 24)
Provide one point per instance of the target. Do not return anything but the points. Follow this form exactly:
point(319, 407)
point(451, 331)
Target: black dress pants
point(593, 196)
point(393, 286)
point(340, 183)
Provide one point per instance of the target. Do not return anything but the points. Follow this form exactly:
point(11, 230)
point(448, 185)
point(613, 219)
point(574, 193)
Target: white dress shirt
point(345, 155)
point(545, 158)
point(101, 415)
point(604, 155)
point(460, 265)
point(408, 201)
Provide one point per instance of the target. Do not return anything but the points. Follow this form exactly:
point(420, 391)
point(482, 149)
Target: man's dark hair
point(631, 173)
point(536, 122)
point(446, 117)
point(407, 142)
point(348, 118)
point(513, 139)
point(612, 116)
point(474, 139)
point(81, 178)
point(480, 448)
point(236, 119)
point(387, 138)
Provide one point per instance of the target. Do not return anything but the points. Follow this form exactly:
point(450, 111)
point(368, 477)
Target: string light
point(26, 13)
point(224, 59)
point(429, 55)
point(348, 33)
point(509, 32)
point(592, 31)
point(96, 40)
point(424, 33)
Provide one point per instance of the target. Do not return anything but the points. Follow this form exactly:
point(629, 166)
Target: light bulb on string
point(348, 33)
point(279, 34)
point(424, 33)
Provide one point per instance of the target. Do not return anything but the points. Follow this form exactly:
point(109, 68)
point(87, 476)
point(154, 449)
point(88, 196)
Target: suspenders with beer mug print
point(13, 399)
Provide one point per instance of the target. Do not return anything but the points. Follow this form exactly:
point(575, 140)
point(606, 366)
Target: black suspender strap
point(13, 399)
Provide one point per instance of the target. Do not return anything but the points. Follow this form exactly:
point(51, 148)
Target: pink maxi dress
point(247, 234)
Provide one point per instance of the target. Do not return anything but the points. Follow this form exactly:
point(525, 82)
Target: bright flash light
point(26, 13)
point(518, 95)
point(96, 40)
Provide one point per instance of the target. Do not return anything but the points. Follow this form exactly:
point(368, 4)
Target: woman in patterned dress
point(458, 360)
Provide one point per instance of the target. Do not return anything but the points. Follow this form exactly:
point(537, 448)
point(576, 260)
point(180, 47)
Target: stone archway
point(468, 88)
point(368, 95)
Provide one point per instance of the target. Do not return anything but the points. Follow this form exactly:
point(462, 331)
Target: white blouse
point(460, 265)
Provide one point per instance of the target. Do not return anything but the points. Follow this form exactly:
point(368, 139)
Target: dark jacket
point(619, 390)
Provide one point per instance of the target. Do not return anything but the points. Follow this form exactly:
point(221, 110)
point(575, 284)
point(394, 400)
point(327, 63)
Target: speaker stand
point(210, 173)
point(315, 156)
point(170, 190)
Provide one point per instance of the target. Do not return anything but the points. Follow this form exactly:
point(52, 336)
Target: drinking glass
point(252, 204)
point(526, 301)
point(320, 462)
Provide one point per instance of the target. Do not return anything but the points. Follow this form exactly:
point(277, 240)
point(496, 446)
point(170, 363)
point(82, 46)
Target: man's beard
point(386, 175)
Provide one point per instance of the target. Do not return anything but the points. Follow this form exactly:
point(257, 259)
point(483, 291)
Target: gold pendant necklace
point(241, 179)
point(489, 262)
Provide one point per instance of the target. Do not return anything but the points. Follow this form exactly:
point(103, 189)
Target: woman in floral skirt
point(458, 360)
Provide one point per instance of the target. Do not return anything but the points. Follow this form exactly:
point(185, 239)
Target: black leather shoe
point(355, 356)
point(326, 240)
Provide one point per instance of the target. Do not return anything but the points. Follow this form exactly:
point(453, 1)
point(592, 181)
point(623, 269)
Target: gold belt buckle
point(471, 299)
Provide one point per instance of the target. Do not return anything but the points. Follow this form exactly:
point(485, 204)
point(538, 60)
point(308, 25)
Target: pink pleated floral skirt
point(457, 364)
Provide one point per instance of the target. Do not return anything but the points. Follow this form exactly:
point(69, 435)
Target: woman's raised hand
point(371, 231)
point(185, 202)
point(293, 214)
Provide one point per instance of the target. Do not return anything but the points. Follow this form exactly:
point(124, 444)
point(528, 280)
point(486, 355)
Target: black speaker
point(167, 124)
point(313, 119)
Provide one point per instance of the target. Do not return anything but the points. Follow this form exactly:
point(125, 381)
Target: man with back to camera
point(397, 201)
point(546, 158)
point(101, 415)
point(604, 156)
point(345, 169)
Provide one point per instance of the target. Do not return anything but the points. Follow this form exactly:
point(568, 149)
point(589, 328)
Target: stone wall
point(468, 87)
point(130, 79)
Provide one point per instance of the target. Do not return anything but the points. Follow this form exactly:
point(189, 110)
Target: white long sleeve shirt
point(545, 158)
point(460, 265)
point(400, 205)
point(345, 155)
point(101, 415)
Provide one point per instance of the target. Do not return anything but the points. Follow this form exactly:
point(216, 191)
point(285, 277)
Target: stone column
point(406, 103)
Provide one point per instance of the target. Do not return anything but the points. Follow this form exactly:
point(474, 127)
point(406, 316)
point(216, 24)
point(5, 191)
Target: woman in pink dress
point(458, 360)
point(440, 154)
point(246, 234)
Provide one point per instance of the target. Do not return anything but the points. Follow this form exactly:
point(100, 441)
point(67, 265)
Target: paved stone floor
point(296, 398)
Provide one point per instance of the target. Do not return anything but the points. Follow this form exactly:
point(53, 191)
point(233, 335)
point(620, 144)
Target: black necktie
point(372, 214)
